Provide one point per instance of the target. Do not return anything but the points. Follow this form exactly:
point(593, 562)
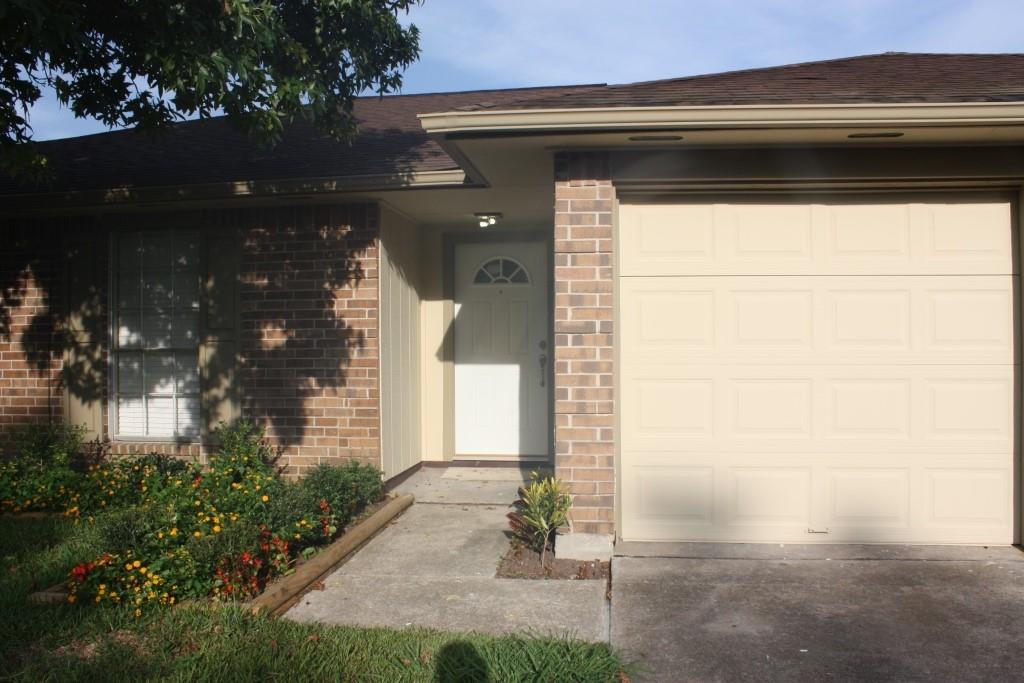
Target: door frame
point(795, 191)
point(450, 240)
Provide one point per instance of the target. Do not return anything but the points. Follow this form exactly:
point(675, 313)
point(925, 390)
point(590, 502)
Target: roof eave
point(125, 197)
point(730, 116)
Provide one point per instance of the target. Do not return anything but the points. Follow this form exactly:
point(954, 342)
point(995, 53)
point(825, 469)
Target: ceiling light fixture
point(655, 138)
point(881, 134)
point(486, 220)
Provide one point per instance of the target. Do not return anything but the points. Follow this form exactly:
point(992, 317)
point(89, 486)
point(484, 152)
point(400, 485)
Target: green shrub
point(167, 529)
point(208, 550)
point(346, 489)
point(48, 445)
point(40, 475)
point(130, 529)
point(543, 507)
point(242, 450)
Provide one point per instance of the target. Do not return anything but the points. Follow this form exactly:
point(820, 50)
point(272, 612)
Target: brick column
point(584, 392)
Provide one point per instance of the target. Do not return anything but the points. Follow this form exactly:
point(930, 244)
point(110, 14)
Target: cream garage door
point(818, 372)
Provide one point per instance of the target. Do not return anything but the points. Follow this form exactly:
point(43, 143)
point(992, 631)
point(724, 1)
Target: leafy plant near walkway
point(543, 507)
point(166, 530)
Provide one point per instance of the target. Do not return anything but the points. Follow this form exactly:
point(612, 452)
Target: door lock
point(543, 366)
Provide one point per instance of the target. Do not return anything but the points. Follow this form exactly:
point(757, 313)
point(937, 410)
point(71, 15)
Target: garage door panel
point(818, 238)
point(675, 494)
point(867, 498)
point(967, 497)
point(818, 373)
point(891, 320)
point(768, 496)
point(862, 498)
point(808, 408)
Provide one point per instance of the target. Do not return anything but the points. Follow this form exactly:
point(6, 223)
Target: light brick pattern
point(308, 349)
point(309, 331)
point(584, 327)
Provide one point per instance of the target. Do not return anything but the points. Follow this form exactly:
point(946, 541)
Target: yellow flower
point(72, 598)
point(138, 612)
point(160, 534)
point(216, 529)
point(198, 534)
point(128, 566)
point(136, 564)
point(143, 570)
point(265, 498)
point(174, 531)
point(98, 598)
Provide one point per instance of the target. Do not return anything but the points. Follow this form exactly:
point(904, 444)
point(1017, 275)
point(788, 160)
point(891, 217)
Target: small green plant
point(48, 445)
point(40, 474)
point(542, 508)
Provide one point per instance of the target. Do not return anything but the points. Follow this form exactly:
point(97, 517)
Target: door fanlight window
point(501, 270)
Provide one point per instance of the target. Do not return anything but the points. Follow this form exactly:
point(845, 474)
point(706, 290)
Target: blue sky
point(472, 44)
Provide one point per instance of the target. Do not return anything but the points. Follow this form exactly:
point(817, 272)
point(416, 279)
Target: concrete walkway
point(819, 613)
point(435, 567)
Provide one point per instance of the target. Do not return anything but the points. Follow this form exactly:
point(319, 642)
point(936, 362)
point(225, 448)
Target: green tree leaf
point(148, 64)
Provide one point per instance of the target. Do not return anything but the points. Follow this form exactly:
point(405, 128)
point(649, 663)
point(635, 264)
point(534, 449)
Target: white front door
point(502, 349)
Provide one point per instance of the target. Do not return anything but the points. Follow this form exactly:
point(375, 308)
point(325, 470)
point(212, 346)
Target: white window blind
point(156, 344)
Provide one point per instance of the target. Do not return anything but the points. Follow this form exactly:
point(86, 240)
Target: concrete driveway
point(818, 613)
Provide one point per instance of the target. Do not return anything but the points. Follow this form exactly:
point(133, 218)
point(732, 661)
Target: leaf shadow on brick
point(306, 361)
point(309, 328)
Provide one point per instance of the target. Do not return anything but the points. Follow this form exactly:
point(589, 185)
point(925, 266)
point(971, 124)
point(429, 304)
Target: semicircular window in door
point(501, 270)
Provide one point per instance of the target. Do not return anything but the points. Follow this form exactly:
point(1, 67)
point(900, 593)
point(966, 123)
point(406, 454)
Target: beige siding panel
point(780, 384)
point(219, 350)
point(435, 316)
point(83, 373)
point(400, 343)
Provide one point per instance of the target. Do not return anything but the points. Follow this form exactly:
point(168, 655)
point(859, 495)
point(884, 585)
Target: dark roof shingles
point(390, 141)
point(884, 78)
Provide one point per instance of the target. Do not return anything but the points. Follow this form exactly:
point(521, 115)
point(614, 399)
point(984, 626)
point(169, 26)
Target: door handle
point(543, 359)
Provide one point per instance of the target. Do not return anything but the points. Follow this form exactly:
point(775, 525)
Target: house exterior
point(780, 304)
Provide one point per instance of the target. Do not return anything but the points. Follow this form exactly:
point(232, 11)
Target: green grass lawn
point(222, 643)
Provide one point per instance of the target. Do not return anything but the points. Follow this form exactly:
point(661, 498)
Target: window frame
point(501, 258)
point(114, 349)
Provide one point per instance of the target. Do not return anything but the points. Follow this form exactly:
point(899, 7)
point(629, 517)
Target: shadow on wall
point(37, 289)
point(309, 320)
point(306, 314)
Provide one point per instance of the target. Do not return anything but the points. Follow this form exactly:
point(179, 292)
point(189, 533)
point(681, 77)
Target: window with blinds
point(156, 335)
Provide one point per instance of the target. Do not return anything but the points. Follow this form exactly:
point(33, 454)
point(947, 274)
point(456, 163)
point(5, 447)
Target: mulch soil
point(522, 562)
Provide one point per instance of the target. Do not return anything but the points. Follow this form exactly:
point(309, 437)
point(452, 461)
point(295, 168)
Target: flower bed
point(170, 530)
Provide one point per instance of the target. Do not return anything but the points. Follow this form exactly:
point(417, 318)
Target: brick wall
point(309, 331)
point(584, 393)
point(30, 360)
point(308, 347)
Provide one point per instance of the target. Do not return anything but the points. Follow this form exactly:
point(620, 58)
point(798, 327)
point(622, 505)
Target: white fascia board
point(735, 116)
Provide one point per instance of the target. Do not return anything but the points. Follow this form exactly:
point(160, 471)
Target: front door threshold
point(501, 461)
